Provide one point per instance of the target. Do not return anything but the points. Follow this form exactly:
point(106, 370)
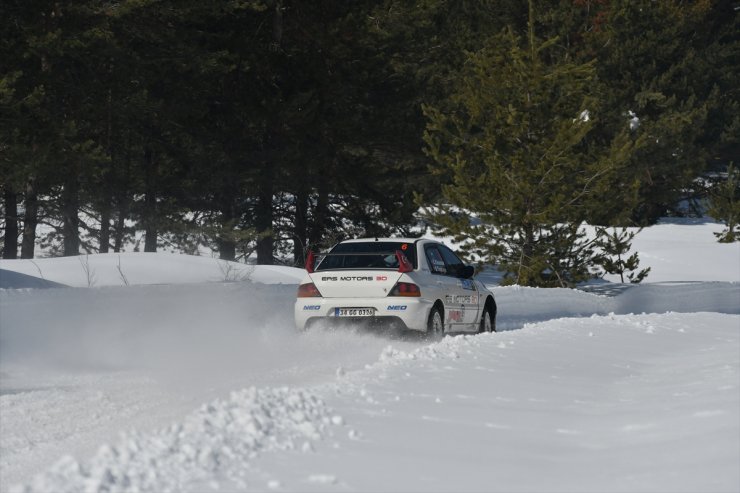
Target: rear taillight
point(308, 290)
point(405, 289)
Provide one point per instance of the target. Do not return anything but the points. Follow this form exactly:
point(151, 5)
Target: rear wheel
point(488, 319)
point(435, 323)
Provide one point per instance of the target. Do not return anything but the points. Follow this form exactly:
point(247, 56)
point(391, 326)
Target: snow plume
point(186, 329)
point(216, 441)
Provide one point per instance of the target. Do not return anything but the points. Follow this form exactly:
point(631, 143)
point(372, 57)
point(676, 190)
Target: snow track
point(80, 365)
point(605, 403)
point(611, 388)
point(215, 441)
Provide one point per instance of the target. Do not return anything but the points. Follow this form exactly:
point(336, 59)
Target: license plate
point(354, 312)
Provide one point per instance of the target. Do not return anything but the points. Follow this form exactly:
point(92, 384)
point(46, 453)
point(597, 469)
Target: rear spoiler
point(310, 261)
point(403, 263)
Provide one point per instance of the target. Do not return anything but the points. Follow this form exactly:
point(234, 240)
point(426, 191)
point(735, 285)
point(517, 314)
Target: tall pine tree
point(512, 141)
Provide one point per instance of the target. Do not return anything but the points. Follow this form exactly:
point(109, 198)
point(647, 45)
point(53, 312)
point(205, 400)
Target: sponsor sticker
point(467, 284)
point(347, 278)
point(455, 316)
point(462, 299)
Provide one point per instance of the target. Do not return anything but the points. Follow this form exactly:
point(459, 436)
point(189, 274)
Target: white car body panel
point(463, 299)
point(355, 283)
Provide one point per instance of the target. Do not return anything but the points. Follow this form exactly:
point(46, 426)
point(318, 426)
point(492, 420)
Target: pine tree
point(48, 125)
point(671, 68)
point(513, 142)
point(613, 248)
point(725, 205)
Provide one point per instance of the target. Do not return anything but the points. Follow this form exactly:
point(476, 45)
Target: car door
point(468, 296)
point(448, 285)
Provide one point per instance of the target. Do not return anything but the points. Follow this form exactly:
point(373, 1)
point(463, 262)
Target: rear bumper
point(411, 312)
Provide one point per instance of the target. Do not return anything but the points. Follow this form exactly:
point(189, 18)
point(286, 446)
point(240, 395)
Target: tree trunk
point(263, 219)
point(105, 229)
point(226, 248)
point(150, 203)
point(300, 227)
point(123, 201)
point(526, 259)
point(225, 240)
point(320, 215)
point(70, 210)
point(10, 248)
point(119, 231)
point(30, 221)
point(264, 213)
point(105, 212)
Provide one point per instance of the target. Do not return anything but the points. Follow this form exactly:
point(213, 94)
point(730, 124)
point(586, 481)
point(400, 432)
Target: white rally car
point(414, 284)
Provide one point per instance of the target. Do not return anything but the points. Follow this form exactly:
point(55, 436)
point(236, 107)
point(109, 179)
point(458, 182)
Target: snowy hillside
point(124, 269)
point(176, 380)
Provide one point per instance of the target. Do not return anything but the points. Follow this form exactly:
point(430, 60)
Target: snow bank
point(210, 447)
point(600, 404)
point(687, 297)
point(521, 305)
point(685, 249)
point(518, 305)
point(113, 269)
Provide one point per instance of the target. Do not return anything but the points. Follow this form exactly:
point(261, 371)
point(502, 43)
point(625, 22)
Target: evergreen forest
point(265, 128)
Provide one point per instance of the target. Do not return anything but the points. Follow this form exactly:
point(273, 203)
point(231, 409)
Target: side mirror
point(467, 272)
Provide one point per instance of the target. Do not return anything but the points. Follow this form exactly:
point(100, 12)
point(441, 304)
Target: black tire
point(488, 319)
point(435, 323)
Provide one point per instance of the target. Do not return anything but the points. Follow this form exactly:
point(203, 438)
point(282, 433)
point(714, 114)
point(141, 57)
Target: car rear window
point(367, 255)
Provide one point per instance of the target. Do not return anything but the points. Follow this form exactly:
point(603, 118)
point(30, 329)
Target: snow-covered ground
point(163, 376)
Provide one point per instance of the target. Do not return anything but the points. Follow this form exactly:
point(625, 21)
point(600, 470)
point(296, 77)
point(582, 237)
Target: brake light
point(405, 289)
point(403, 263)
point(310, 260)
point(308, 290)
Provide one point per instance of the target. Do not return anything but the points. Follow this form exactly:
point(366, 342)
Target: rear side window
point(367, 255)
point(442, 260)
point(436, 262)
